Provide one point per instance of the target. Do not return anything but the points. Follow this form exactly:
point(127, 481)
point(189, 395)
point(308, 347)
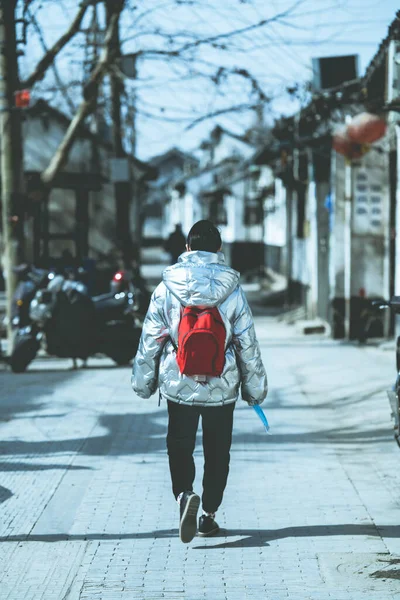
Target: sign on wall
point(369, 200)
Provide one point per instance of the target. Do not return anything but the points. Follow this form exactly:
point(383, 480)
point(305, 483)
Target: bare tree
point(175, 44)
point(50, 55)
point(198, 44)
point(11, 166)
point(211, 55)
point(86, 107)
point(179, 52)
point(90, 89)
point(175, 56)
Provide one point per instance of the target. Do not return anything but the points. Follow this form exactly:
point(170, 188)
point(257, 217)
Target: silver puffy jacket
point(199, 279)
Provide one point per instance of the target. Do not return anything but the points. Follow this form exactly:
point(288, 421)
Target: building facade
point(78, 215)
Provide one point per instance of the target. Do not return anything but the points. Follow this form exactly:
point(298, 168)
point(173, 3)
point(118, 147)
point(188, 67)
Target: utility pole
point(397, 231)
point(348, 226)
point(136, 186)
point(122, 189)
point(11, 155)
point(93, 45)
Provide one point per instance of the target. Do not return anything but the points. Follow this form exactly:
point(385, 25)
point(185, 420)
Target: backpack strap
point(173, 343)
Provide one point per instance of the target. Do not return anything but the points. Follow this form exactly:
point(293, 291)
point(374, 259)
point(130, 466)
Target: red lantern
point(366, 128)
point(341, 142)
point(22, 98)
point(344, 145)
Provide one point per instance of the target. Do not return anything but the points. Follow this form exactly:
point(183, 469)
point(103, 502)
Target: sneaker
point(189, 506)
point(207, 526)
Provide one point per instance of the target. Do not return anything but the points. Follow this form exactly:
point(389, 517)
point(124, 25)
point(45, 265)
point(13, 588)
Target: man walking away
point(175, 244)
point(199, 347)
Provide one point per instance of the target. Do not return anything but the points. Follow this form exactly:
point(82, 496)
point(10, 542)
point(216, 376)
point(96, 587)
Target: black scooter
point(130, 280)
point(68, 323)
point(394, 393)
point(30, 280)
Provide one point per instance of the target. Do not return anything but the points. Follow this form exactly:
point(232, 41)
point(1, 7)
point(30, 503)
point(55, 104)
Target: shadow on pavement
point(342, 435)
point(254, 538)
point(280, 398)
point(13, 466)
point(251, 538)
point(20, 393)
point(5, 494)
point(128, 434)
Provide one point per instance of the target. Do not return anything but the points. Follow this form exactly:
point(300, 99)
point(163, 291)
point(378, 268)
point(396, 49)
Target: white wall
point(336, 240)
point(299, 261)
point(186, 210)
point(370, 243)
point(312, 250)
point(238, 231)
point(275, 222)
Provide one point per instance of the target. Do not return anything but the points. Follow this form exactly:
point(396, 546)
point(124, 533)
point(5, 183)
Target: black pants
point(217, 422)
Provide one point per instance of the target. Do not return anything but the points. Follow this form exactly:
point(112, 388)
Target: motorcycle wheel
point(120, 357)
point(24, 352)
point(121, 342)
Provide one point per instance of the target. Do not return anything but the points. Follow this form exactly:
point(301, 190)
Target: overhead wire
point(272, 41)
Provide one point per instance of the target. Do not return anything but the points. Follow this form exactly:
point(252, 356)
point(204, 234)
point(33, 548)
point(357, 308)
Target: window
point(217, 210)
point(253, 214)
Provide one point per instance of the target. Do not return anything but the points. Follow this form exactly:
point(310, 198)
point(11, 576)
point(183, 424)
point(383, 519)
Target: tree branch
point(256, 88)
point(211, 115)
point(61, 86)
point(150, 11)
point(222, 36)
point(222, 111)
point(50, 55)
point(86, 107)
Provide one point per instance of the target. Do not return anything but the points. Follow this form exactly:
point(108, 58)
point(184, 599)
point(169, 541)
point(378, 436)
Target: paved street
point(311, 511)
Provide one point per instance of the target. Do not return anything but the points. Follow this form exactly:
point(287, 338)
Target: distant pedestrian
point(175, 244)
point(199, 347)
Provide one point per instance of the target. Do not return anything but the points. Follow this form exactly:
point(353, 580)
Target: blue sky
point(174, 93)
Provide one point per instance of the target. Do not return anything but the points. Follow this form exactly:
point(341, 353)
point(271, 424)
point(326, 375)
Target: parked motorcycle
point(370, 322)
point(68, 323)
point(394, 393)
point(30, 280)
point(130, 280)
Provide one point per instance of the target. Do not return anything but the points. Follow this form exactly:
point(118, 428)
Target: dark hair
point(204, 236)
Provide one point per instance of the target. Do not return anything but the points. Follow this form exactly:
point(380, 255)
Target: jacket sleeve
point(253, 376)
point(155, 333)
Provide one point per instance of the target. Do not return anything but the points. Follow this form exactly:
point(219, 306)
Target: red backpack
point(201, 342)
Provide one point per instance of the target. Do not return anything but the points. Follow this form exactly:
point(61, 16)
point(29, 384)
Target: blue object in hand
point(262, 417)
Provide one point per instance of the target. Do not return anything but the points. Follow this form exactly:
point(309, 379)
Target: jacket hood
point(201, 279)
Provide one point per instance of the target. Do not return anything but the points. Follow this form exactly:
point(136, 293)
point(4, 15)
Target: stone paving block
point(89, 510)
